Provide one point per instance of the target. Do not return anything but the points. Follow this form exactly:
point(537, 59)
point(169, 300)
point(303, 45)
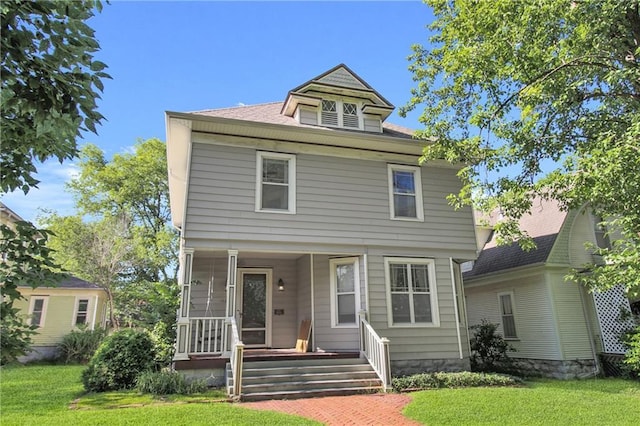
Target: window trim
point(340, 113)
point(417, 181)
point(43, 315)
point(433, 291)
point(513, 314)
point(260, 156)
point(76, 311)
point(355, 261)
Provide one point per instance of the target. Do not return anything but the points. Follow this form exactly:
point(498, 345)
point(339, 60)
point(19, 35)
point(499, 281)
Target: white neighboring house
point(315, 209)
point(557, 327)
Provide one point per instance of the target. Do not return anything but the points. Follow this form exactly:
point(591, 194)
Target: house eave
point(504, 275)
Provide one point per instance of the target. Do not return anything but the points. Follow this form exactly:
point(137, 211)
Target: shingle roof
point(542, 223)
point(73, 282)
point(270, 113)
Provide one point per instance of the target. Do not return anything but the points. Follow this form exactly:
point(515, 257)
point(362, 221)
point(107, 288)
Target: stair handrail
point(237, 349)
point(376, 350)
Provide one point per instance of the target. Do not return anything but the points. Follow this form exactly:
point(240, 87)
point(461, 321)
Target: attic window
point(337, 113)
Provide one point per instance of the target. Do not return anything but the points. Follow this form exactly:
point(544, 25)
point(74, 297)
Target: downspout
point(95, 312)
point(594, 352)
point(366, 282)
point(455, 305)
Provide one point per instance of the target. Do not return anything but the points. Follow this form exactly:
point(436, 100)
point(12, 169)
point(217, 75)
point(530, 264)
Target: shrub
point(451, 380)
point(80, 345)
point(119, 360)
point(163, 339)
point(168, 382)
point(632, 358)
point(488, 348)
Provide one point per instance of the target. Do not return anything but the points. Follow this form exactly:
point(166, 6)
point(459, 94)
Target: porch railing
point(376, 350)
point(237, 348)
point(207, 335)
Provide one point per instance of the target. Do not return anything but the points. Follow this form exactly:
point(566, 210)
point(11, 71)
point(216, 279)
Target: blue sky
point(187, 56)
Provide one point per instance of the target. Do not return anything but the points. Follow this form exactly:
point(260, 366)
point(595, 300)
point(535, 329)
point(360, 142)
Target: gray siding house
point(316, 209)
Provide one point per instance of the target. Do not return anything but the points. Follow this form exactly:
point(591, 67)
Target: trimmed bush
point(488, 348)
point(119, 361)
point(451, 380)
point(168, 382)
point(80, 345)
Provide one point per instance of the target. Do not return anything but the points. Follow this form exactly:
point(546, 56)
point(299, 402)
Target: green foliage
point(488, 348)
point(80, 345)
point(27, 262)
point(163, 338)
point(539, 98)
point(631, 340)
point(145, 304)
point(50, 84)
point(168, 382)
point(119, 360)
point(451, 380)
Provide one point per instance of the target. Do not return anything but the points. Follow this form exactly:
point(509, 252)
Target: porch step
point(307, 378)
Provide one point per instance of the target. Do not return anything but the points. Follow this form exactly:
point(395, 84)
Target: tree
point(539, 98)
point(50, 83)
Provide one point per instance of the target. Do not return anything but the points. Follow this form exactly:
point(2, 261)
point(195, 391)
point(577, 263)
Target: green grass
point(42, 395)
point(540, 402)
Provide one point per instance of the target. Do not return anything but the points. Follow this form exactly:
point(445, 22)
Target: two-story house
point(315, 211)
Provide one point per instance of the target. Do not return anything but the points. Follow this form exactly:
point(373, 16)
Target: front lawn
point(41, 395)
point(539, 402)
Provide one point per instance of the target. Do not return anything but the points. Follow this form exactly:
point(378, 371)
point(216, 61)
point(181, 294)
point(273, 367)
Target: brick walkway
point(377, 409)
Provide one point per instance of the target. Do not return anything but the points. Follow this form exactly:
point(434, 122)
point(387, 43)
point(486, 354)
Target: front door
point(255, 307)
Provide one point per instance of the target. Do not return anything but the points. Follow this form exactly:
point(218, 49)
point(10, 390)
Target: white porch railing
point(376, 350)
point(237, 349)
point(207, 335)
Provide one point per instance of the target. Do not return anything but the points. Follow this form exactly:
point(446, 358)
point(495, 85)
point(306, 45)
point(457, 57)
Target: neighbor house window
point(82, 311)
point(505, 301)
point(275, 182)
point(411, 292)
point(37, 311)
point(338, 113)
point(405, 192)
point(345, 294)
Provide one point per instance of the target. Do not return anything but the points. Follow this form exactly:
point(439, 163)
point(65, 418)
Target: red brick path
point(377, 409)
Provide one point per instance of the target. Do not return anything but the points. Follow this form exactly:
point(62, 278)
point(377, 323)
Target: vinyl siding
point(340, 201)
point(59, 316)
point(572, 326)
point(372, 124)
point(534, 314)
point(307, 116)
point(408, 343)
point(581, 232)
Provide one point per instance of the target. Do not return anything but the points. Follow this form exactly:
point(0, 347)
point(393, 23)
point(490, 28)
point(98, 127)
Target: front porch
point(238, 309)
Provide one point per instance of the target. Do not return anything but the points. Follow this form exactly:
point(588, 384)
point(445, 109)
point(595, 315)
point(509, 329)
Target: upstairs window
point(82, 311)
point(275, 182)
point(339, 114)
point(405, 192)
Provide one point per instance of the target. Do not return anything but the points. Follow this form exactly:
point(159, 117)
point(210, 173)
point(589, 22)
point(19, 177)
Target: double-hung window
point(276, 182)
point(38, 310)
point(405, 192)
point(345, 292)
point(82, 311)
point(505, 300)
point(411, 292)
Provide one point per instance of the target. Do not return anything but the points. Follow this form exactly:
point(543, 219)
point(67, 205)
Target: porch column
point(182, 332)
point(232, 272)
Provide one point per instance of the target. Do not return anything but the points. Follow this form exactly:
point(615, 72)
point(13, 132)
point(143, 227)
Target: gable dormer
point(338, 98)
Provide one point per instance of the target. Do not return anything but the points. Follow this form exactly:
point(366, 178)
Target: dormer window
point(339, 114)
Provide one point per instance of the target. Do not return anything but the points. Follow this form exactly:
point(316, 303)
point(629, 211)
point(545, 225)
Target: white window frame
point(260, 156)
point(513, 314)
point(433, 291)
point(76, 310)
point(340, 113)
point(417, 182)
point(333, 263)
point(43, 315)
